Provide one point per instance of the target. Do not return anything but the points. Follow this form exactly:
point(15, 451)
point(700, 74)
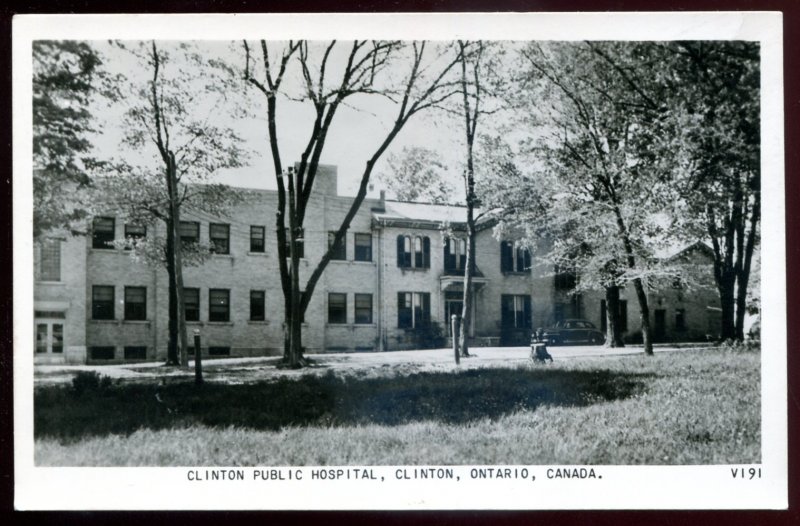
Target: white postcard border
point(621, 487)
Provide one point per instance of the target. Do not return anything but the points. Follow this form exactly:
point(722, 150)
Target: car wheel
point(597, 340)
point(553, 341)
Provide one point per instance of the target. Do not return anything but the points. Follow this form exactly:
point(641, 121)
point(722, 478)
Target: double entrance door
point(49, 337)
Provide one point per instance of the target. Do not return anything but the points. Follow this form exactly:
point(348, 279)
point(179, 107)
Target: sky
point(357, 129)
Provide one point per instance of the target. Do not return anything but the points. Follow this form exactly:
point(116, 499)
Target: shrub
point(430, 336)
point(90, 381)
point(741, 346)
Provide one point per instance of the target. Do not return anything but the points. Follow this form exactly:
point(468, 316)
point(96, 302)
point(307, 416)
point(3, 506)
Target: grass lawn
point(694, 407)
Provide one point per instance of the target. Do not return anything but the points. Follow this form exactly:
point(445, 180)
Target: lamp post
point(198, 365)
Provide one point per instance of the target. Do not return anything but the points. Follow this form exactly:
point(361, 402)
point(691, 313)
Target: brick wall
point(66, 296)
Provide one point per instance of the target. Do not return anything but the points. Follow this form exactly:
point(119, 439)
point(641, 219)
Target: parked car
point(570, 332)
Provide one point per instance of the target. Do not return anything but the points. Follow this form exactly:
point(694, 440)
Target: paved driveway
point(242, 370)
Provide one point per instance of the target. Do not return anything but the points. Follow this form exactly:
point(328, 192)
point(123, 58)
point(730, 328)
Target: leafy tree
point(716, 97)
point(169, 111)
point(417, 174)
point(532, 206)
point(334, 74)
point(609, 142)
point(473, 98)
point(66, 78)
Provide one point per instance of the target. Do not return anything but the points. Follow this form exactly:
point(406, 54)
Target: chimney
point(326, 181)
point(381, 206)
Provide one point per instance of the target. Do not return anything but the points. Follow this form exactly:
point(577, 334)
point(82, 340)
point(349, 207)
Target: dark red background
point(791, 24)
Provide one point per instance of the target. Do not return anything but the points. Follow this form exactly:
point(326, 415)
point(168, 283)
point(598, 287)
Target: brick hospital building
point(392, 286)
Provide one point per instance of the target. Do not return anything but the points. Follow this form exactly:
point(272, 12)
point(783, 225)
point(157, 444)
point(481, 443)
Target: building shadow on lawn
point(453, 397)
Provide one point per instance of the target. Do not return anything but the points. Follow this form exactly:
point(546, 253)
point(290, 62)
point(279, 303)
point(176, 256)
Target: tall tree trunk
point(644, 309)
point(469, 272)
point(726, 286)
point(743, 279)
point(172, 185)
point(638, 286)
point(295, 228)
point(469, 267)
point(287, 341)
point(613, 332)
point(172, 341)
point(295, 322)
point(741, 307)
point(470, 124)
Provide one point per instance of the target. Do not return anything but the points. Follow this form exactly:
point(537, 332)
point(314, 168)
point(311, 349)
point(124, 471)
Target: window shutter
point(526, 260)
point(426, 252)
point(426, 307)
point(506, 310)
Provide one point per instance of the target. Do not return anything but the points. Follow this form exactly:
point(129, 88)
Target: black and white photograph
point(399, 261)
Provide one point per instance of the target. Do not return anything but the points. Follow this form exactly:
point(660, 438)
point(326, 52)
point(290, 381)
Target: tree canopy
point(66, 77)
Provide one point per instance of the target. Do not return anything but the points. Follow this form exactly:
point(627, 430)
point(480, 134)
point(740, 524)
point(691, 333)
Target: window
point(102, 232)
point(257, 239)
point(220, 236)
point(514, 257)
point(101, 353)
point(565, 279)
point(41, 338)
point(413, 310)
point(680, 319)
point(49, 314)
point(50, 260)
point(257, 310)
point(219, 351)
point(134, 233)
point(419, 246)
point(135, 352)
point(58, 338)
point(191, 304)
point(363, 244)
point(558, 312)
point(363, 308)
point(102, 302)
point(339, 252)
point(418, 252)
point(403, 251)
point(337, 308)
point(189, 232)
point(455, 254)
point(135, 303)
point(219, 305)
point(299, 244)
point(515, 311)
point(56, 345)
